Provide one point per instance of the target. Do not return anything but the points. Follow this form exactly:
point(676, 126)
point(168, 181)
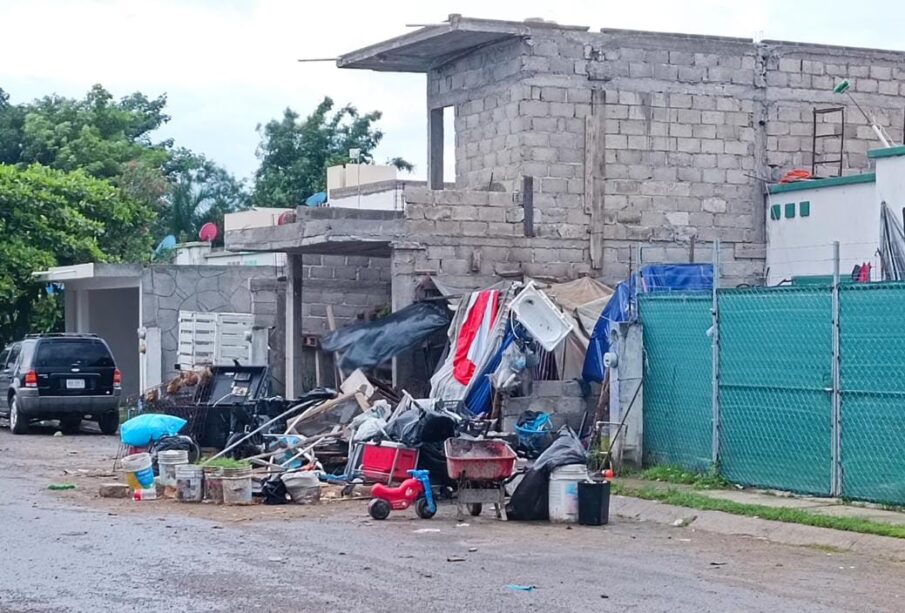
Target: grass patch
point(792, 516)
point(673, 474)
point(226, 463)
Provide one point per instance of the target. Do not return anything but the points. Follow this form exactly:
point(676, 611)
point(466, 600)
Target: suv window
point(63, 352)
point(13, 355)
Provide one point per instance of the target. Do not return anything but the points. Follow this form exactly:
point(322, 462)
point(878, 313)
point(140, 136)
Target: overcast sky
point(227, 65)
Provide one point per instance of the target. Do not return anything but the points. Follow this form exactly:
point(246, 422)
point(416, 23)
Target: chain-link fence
point(677, 379)
point(775, 404)
point(872, 351)
point(810, 380)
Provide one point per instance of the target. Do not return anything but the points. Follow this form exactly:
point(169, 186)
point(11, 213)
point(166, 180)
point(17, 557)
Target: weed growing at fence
point(674, 474)
point(792, 516)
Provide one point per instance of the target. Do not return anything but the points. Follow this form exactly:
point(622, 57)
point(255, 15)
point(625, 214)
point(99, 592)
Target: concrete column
point(70, 307)
point(293, 325)
point(82, 320)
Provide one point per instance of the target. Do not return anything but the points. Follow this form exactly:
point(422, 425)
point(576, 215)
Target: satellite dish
point(168, 242)
point(208, 232)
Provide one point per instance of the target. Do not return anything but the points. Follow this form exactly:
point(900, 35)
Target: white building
point(804, 218)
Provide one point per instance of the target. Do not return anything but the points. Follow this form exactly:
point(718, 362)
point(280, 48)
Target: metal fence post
point(836, 472)
point(715, 357)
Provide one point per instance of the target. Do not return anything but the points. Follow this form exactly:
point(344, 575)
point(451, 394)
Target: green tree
point(199, 191)
point(295, 153)
point(51, 218)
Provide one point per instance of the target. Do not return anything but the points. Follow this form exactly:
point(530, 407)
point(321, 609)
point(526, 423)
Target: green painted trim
point(888, 152)
point(804, 208)
point(775, 212)
point(780, 188)
point(790, 210)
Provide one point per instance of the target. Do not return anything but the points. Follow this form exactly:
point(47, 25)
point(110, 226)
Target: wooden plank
point(528, 205)
point(594, 175)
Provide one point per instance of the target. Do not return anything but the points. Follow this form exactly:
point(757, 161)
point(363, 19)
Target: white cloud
point(228, 65)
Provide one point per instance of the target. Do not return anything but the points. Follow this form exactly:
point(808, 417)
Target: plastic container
point(562, 499)
point(594, 503)
point(167, 461)
point(387, 462)
point(189, 479)
point(304, 487)
point(140, 475)
point(236, 486)
point(213, 484)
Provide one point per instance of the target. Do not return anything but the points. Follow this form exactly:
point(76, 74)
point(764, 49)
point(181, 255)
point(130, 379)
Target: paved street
point(72, 551)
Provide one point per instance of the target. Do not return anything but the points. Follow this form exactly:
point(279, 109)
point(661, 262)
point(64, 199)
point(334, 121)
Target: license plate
point(75, 384)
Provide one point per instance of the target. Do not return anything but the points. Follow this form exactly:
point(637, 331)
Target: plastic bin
point(387, 462)
point(594, 503)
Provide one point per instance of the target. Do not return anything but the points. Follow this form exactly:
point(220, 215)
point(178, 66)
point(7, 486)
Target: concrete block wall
point(689, 129)
point(268, 305)
point(472, 239)
point(355, 286)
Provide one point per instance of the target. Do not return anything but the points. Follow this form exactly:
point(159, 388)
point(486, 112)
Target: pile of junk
point(215, 434)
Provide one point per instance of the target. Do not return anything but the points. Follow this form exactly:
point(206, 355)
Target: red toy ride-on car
point(416, 489)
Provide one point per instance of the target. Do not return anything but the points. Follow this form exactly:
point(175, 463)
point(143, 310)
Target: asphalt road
point(72, 551)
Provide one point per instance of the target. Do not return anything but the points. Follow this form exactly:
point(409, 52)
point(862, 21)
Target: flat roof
point(434, 45)
point(90, 270)
point(779, 188)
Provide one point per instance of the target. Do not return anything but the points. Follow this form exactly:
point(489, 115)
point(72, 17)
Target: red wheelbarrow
point(481, 467)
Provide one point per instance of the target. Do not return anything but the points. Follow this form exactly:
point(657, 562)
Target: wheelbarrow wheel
point(379, 509)
point(422, 509)
point(475, 508)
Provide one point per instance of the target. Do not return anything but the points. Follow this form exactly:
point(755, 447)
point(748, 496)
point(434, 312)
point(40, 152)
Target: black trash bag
point(369, 344)
point(529, 501)
point(178, 442)
point(432, 458)
point(274, 491)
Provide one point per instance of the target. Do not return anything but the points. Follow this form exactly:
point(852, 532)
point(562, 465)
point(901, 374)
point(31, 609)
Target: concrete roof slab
point(432, 46)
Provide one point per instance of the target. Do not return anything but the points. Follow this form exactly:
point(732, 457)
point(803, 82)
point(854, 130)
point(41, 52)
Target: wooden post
point(528, 205)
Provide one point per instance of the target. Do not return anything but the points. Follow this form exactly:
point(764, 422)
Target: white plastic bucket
point(189, 483)
point(304, 487)
point(236, 486)
point(140, 475)
point(167, 461)
point(563, 496)
point(213, 484)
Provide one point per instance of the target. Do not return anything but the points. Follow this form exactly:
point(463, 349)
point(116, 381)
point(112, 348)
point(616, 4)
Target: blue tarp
point(316, 199)
point(654, 278)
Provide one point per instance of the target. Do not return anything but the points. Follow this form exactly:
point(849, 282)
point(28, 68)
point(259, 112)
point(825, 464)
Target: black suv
point(60, 376)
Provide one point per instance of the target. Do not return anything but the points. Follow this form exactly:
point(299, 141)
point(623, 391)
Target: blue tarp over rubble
point(621, 307)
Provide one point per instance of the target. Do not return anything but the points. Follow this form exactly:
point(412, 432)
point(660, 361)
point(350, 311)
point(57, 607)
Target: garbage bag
point(366, 345)
point(141, 430)
point(274, 491)
point(535, 433)
point(529, 501)
point(174, 443)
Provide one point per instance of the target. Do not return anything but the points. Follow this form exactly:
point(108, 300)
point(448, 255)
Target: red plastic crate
point(387, 462)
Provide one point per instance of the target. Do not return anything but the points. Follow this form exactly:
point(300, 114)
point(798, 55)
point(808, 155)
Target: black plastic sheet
point(366, 345)
point(529, 500)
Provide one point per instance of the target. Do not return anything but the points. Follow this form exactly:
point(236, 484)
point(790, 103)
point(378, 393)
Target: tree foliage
point(295, 153)
point(51, 218)
point(200, 192)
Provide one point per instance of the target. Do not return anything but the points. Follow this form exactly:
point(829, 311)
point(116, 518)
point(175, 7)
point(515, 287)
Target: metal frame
point(715, 357)
point(815, 136)
point(836, 447)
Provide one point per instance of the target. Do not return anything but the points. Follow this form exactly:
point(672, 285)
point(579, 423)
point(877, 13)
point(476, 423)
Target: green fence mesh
point(872, 348)
point(677, 380)
point(775, 382)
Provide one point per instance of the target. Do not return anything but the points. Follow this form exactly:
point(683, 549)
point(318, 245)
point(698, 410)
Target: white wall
point(800, 246)
point(259, 217)
point(350, 175)
point(388, 200)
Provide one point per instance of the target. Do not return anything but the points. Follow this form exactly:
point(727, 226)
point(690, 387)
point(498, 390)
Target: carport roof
point(434, 45)
point(77, 272)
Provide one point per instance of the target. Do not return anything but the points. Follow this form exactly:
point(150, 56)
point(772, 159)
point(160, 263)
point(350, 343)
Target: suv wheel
point(18, 424)
point(108, 422)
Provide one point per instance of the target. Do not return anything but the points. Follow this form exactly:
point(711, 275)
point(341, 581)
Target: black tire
point(108, 422)
point(475, 508)
point(69, 424)
point(18, 423)
point(422, 510)
point(379, 509)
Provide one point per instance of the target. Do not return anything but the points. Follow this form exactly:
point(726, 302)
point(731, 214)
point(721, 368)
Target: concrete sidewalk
point(820, 506)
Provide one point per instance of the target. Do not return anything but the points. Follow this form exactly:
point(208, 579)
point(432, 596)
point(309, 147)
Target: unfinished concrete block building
point(573, 148)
